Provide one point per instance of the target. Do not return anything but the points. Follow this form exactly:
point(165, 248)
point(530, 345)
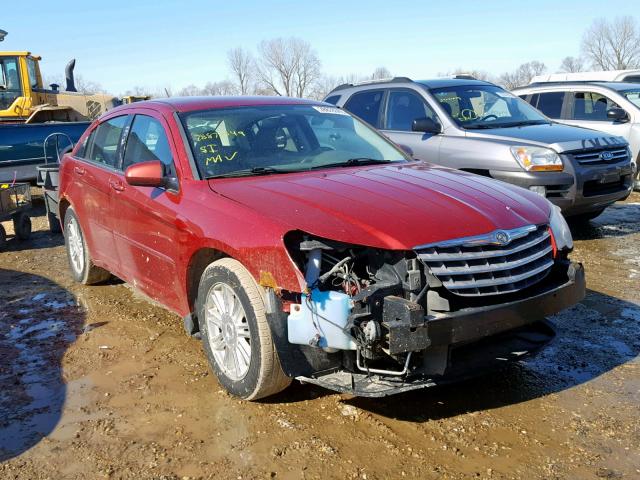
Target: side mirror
point(617, 115)
point(145, 174)
point(426, 125)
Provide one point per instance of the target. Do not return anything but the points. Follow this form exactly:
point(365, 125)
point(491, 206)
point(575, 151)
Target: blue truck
point(22, 147)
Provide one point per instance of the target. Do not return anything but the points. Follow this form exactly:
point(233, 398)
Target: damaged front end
point(375, 322)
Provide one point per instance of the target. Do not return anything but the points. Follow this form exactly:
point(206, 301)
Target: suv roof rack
point(464, 76)
point(565, 82)
point(372, 82)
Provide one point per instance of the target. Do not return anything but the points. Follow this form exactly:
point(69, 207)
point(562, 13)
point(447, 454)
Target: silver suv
point(612, 107)
point(479, 127)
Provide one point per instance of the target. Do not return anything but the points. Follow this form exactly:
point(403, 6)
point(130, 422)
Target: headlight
point(560, 229)
point(537, 159)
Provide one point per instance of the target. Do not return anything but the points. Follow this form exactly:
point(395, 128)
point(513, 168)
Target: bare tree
point(613, 45)
point(572, 64)
point(522, 75)
point(225, 87)
point(242, 65)
point(380, 73)
point(288, 66)
point(139, 91)
point(190, 91)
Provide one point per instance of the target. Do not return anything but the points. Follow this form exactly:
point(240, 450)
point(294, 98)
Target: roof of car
point(618, 86)
point(189, 104)
point(451, 82)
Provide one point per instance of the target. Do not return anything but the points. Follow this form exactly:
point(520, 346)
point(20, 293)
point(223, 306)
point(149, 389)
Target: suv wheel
point(82, 268)
point(235, 334)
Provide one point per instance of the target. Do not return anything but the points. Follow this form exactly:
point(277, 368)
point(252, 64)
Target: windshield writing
point(284, 138)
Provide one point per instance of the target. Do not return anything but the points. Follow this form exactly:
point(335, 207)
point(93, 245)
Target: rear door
point(92, 179)
point(146, 233)
point(403, 106)
point(589, 109)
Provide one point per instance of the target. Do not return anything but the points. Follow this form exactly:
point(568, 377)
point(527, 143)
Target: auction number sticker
point(333, 110)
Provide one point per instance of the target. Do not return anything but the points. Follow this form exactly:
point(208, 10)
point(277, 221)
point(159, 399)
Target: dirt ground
point(97, 383)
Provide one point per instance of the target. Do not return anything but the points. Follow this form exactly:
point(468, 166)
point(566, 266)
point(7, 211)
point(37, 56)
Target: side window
point(148, 141)
point(106, 137)
point(31, 69)
point(550, 103)
point(366, 105)
point(10, 79)
point(591, 106)
point(404, 107)
point(333, 99)
point(83, 148)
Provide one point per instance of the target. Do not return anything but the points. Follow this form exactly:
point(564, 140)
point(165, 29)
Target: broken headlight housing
point(560, 229)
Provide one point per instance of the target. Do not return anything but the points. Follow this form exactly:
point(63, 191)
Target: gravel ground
point(97, 383)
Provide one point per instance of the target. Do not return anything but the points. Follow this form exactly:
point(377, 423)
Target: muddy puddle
point(97, 383)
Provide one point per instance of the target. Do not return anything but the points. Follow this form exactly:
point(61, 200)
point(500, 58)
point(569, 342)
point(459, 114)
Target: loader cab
point(20, 82)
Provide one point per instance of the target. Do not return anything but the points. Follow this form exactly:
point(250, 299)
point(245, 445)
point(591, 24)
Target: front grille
point(594, 157)
point(481, 266)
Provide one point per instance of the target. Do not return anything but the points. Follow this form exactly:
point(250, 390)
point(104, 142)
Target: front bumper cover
point(478, 339)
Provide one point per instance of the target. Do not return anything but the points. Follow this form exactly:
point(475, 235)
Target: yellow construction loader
point(24, 98)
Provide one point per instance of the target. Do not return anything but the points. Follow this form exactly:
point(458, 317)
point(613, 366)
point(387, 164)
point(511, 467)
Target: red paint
point(149, 236)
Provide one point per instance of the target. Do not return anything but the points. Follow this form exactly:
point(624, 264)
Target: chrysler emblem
point(606, 156)
point(502, 237)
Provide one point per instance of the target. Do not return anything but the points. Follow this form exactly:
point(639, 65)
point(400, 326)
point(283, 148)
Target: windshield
point(633, 96)
point(486, 106)
point(282, 138)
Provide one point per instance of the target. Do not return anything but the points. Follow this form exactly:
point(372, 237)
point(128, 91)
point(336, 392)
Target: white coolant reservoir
point(320, 320)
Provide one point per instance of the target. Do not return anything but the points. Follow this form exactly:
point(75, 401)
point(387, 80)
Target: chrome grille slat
point(453, 285)
point(476, 268)
point(492, 268)
point(593, 156)
point(463, 256)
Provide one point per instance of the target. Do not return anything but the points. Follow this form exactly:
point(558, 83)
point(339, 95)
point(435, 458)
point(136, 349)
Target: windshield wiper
point(522, 123)
point(248, 172)
point(352, 162)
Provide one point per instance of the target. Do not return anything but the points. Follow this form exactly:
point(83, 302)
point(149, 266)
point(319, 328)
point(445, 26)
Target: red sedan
point(297, 242)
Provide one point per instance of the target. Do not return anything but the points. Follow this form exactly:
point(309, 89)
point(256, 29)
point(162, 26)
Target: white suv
point(612, 107)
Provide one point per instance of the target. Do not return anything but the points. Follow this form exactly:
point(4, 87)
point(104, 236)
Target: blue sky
point(171, 43)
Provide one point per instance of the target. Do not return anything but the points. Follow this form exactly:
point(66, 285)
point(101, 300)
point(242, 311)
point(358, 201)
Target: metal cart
point(15, 202)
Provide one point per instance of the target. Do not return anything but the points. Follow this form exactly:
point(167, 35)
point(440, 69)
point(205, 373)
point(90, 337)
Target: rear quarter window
point(366, 105)
point(550, 103)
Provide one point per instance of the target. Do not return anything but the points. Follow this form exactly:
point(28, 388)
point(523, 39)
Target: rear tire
point(3, 236)
point(235, 333)
point(82, 267)
point(22, 226)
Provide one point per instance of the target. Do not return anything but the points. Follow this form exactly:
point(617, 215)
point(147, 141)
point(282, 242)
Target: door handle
point(79, 170)
point(117, 186)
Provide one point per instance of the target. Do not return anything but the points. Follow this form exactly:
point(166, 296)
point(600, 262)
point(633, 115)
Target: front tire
point(235, 333)
point(82, 267)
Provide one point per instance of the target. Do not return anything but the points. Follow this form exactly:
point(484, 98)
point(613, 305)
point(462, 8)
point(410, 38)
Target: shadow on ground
point(38, 321)
point(620, 219)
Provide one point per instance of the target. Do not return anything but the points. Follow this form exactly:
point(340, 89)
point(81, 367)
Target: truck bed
point(21, 147)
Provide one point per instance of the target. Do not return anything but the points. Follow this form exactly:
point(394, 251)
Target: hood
point(393, 207)
point(561, 138)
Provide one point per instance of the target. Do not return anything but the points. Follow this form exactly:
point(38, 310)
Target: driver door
point(146, 231)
